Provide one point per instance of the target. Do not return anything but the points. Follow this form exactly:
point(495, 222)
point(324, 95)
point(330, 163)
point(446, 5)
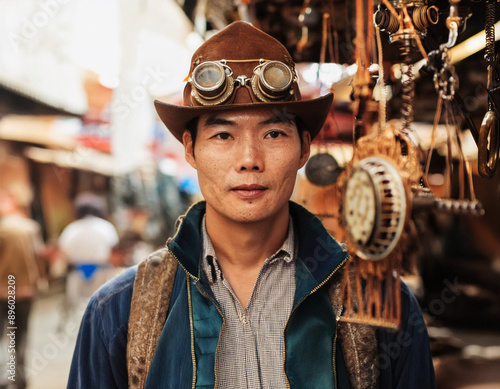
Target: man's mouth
point(249, 191)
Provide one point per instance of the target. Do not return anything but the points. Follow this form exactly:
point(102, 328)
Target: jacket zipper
point(291, 313)
point(190, 306)
point(191, 328)
point(337, 319)
point(191, 319)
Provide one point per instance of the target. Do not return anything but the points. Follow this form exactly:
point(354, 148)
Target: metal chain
point(408, 96)
point(490, 32)
point(445, 78)
point(489, 55)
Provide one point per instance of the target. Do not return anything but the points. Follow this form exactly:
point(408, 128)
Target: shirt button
point(243, 318)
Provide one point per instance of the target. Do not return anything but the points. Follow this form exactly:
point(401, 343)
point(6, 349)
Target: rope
point(383, 95)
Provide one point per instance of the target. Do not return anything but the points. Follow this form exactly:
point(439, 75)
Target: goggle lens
point(209, 79)
point(212, 82)
point(275, 79)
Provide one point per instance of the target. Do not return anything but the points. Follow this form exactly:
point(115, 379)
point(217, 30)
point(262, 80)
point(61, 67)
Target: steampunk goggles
point(212, 82)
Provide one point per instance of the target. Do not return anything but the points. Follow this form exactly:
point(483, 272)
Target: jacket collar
point(318, 253)
point(186, 245)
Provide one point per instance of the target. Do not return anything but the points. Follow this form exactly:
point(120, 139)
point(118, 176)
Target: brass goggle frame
point(212, 82)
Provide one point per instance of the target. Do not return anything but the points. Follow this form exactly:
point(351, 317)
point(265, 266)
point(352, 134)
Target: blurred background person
point(87, 244)
point(21, 252)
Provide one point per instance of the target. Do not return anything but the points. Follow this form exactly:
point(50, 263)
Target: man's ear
point(306, 148)
point(187, 141)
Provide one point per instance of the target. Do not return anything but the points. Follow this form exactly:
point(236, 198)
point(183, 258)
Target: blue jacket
point(313, 354)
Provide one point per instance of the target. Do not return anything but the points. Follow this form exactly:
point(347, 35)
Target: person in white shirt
point(87, 245)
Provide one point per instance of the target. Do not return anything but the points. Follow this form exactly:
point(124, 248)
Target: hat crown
point(240, 41)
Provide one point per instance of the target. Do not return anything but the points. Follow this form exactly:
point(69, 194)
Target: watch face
point(360, 202)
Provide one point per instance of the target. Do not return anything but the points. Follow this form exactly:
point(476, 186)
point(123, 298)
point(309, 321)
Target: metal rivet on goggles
point(212, 82)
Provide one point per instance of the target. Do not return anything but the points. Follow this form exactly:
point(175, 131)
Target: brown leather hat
point(238, 50)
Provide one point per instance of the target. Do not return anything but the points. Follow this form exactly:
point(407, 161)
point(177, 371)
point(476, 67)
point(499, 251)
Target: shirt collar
point(211, 266)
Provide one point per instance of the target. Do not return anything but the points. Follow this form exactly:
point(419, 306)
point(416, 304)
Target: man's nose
point(250, 156)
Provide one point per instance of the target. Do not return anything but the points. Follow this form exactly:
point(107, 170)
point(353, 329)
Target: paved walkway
point(51, 342)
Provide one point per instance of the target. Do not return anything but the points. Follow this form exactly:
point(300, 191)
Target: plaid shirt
point(251, 345)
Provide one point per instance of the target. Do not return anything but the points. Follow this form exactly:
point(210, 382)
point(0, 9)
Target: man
point(249, 304)
point(87, 244)
point(21, 276)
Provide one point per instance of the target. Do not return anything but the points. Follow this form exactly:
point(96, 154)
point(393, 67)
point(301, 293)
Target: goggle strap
point(261, 60)
point(233, 60)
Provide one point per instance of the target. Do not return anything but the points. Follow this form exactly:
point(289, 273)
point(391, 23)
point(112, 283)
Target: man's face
point(247, 162)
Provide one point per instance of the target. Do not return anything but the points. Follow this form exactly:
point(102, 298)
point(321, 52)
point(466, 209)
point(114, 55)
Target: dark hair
point(301, 127)
point(192, 128)
point(83, 210)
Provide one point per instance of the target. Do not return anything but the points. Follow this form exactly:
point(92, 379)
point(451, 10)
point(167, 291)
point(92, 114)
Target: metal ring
point(487, 158)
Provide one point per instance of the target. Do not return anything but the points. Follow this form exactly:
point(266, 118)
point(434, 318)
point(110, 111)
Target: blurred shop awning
point(51, 131)
point(59, 140)
point(35, 54)
point(80, 159)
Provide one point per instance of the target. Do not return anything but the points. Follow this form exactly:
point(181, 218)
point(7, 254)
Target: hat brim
point(312, 112)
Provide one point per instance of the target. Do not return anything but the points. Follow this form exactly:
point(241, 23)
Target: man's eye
point(223, 136)
point(274, 134)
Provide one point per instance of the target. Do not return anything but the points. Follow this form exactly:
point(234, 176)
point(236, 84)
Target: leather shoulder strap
point(358, 342)
point(150, 300)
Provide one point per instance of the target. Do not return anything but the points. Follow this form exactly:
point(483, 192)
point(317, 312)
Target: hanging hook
point(452, 22)
point(488, 133)
point(487, 158)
